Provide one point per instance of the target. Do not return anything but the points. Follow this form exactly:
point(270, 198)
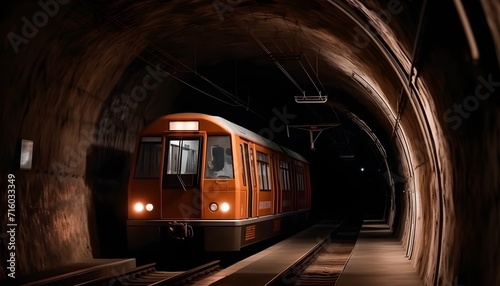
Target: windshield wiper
point(179, 166)
point(181, 181)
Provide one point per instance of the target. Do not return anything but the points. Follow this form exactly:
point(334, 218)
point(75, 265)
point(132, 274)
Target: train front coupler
point(179, 230)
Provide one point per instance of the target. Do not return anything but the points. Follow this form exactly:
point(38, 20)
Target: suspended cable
point(90, 24)
point(309, 77)
point(276, 62)
point(304, 69)
point(201, 91)
point(162, 52)
point(316, 73)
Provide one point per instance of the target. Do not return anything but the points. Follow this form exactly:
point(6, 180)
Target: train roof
point(243, 132)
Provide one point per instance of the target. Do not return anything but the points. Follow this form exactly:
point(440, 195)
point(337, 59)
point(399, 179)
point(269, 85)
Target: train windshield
point(219, 160)
point(183, 156)
point(149, 159)
point(182, 159)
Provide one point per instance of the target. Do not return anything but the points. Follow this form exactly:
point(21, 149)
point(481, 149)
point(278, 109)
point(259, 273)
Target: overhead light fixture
point(311, 98)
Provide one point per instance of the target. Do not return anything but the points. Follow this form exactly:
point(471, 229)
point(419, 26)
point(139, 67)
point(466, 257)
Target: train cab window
point(219, 157)
point(285, 176)
point(263, 169)
point(148, 162)
point(183, 156)
point(181, 162)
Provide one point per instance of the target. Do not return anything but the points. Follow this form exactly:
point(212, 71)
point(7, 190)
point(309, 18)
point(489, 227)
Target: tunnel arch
point(76, 88)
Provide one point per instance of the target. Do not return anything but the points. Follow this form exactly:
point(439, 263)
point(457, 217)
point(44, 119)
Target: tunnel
point(405, 94)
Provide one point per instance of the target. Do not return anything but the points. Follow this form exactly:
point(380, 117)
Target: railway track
point(307, 258)
point(316, 256)
point(328, 264)
point(149, 275)
point(291, 275)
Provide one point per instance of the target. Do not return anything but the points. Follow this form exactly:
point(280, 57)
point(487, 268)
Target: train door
point(287, 185)
point(277, 184)
point(181, 177)
point(293, 180)
point(249, 174)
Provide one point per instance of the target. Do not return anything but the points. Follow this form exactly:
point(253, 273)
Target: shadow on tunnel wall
point(106, 175)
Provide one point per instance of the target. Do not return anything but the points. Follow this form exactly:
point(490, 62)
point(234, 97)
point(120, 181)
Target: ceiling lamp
point(311, 99)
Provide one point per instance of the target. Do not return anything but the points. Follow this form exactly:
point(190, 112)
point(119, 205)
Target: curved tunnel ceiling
point(97, 72)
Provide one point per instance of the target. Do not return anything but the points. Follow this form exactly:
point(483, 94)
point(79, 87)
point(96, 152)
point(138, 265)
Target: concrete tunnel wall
point(63, 88)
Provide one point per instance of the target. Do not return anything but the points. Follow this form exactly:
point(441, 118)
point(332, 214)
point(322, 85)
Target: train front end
point(182, 185)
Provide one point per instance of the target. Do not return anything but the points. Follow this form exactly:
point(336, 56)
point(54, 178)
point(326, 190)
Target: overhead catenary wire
point(309, 77)
point(304, 69)
point(234, 98)
point(276, 62)
point(268, 52)
point(201, 91)
point(173, 76)
point(317, 72)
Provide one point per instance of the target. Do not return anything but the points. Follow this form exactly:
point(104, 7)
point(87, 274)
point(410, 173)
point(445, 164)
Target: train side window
point(300, 178)
point(285, 176)
point(219, 157)
point(263, 169)
point(148, 162)
point(243, 175)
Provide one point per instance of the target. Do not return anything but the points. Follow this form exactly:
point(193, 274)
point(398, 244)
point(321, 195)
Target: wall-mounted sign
point(26, 154)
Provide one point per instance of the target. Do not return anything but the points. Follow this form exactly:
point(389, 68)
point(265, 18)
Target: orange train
point(201, 175)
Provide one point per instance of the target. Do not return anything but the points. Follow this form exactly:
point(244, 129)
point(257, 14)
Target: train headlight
point(149, 207)
point(138, 207)
point(224, 207)
point(213, 207)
